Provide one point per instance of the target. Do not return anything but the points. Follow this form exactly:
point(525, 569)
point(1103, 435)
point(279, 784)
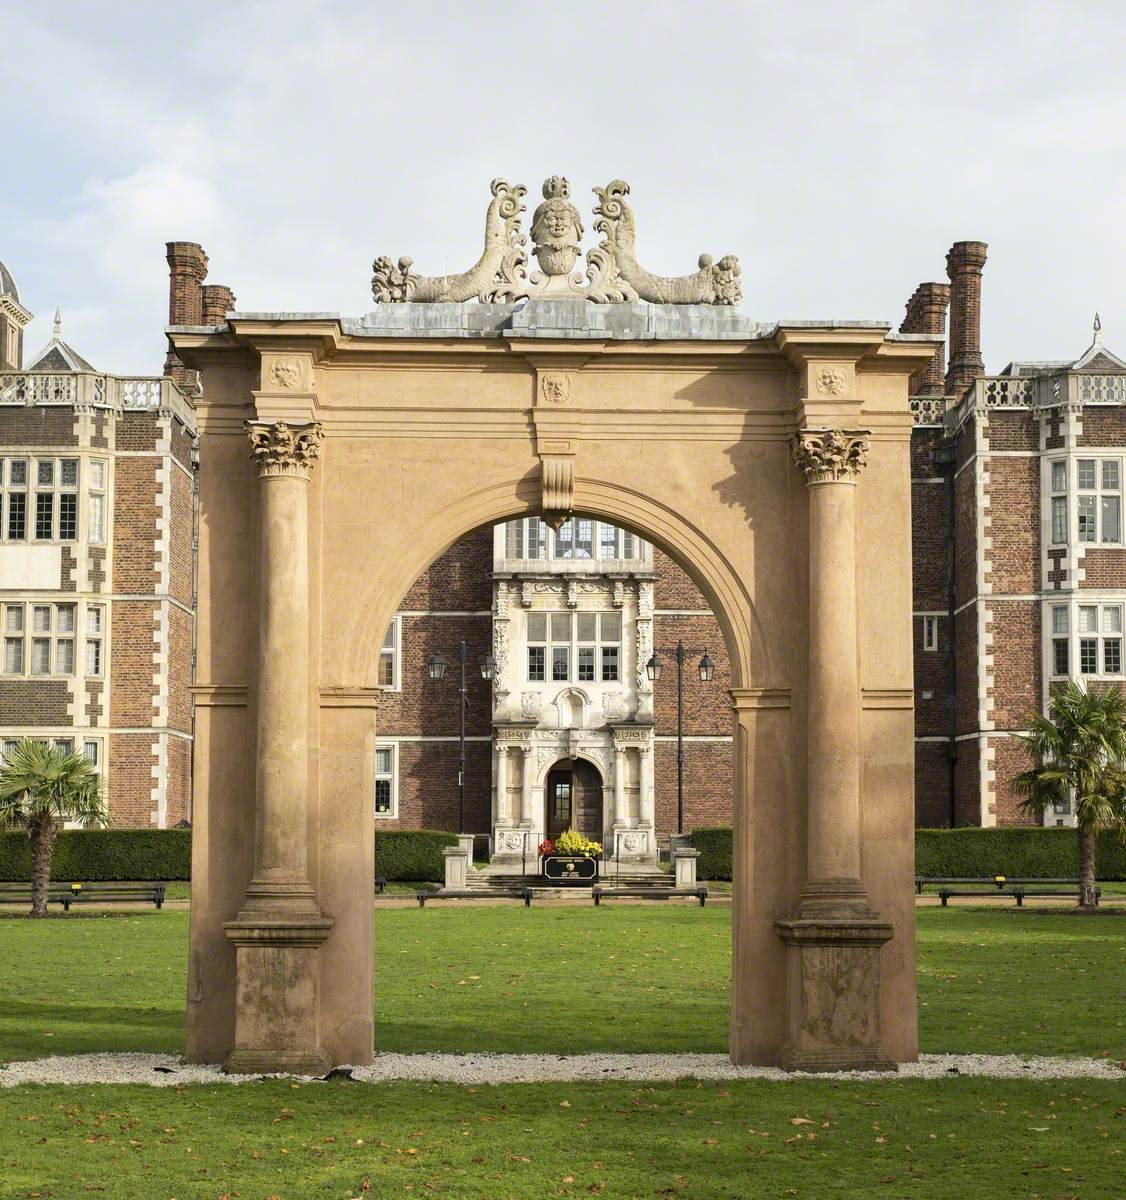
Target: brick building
point(571, 730)
point(1019, 555)
point(96, 567)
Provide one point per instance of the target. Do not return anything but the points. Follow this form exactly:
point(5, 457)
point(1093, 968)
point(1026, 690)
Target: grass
point(974, 1139)
point(504, 979)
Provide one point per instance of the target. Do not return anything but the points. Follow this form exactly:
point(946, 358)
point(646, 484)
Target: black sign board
point(570, 870)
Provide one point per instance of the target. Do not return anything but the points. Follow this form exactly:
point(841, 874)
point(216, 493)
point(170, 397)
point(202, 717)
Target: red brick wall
point(967, 784)
point(674, 589)
point(34, 701)
point(134, 526)
point(708, 784)
point(180, 539)
point(180, 673)
point(179, 780)
point(707, 707)
point(1014, 510)
point(1103, 427)
point(1009, 758)
point(458, 580)
point(428, 787)
point(932, 785)
point(965, 653)
point(132, 757)
point(131, 678)
point(1103, 568)
point(929, 527)
point(932, 674)
point(1017, 676)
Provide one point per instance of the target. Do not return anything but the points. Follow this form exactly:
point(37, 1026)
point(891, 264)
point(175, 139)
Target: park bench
point(87, 893)
point(524, 894)
point(20, 893)
point(601, 892)
point(1020, 894)
point(997, 881)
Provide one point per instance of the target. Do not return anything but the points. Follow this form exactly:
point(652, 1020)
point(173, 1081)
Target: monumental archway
point(770, 460)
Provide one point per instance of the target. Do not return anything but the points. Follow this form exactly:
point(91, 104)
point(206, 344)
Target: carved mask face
point(557, 220)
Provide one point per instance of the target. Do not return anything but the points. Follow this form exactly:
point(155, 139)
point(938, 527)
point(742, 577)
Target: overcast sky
point(838, 149)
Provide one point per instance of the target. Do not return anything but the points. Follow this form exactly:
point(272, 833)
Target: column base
point(833, 989)
point(278, 1062)
point(824, 1061)
point(277, 993)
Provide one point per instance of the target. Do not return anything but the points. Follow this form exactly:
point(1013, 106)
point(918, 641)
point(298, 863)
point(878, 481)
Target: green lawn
point(971, 1139)
point(504, 978)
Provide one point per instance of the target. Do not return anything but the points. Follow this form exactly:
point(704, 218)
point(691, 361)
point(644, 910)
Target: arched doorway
point(573, 800)
point(740, 450)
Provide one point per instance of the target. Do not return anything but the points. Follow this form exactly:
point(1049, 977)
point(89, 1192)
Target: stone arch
point(572, 705)
point(748, 648)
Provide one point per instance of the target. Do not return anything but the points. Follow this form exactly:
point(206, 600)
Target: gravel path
point(166, 1070)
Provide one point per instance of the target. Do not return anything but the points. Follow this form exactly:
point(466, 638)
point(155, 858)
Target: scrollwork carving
point(613, 267)
point(491, 278)
point(831, 455)
point(558, 489)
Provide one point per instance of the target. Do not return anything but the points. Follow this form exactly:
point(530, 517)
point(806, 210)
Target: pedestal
point(833, 994)
point(277, 997)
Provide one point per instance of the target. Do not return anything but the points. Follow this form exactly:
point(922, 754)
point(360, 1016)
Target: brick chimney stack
point(218, 300)
point(964, 263)
point(926, 313)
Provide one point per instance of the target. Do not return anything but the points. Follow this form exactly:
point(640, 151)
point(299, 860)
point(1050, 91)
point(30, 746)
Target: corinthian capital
point(281, 449)
point(831, 455)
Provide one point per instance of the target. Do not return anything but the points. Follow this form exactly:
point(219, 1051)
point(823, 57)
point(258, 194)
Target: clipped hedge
point(714, 846)
point(1032, 853)
point(414, 854)
point(1029, 853)
point(96, 855)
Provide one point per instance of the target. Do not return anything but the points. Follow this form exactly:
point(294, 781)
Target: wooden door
point(559, 801)
point(586, 786)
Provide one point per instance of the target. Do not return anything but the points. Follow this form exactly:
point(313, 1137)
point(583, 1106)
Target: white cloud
point(839, 150)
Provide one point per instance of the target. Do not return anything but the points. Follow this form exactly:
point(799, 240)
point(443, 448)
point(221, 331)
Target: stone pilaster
point(280, 928)
point(834, 970)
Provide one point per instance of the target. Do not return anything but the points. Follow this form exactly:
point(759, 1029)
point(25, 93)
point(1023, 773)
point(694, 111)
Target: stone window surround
point(31, 488)
point(1070, 494)
point(505, 539)
point(392, 777)
point(1064, 629)
point(573, 645)
point(80, 634)
point(392, 652)
point(930, 633)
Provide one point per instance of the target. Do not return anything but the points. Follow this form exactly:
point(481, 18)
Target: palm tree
point(1079, 751)
point(40, 787)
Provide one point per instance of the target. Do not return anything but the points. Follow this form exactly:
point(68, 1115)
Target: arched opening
point(573, 800)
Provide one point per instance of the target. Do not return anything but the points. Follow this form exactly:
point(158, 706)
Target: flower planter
point(569, 870)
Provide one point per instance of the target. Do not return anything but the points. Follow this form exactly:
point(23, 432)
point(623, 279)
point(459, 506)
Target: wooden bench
point(1020, 894)
point(88, 893)
point(601, 892)
point(997, 881)
point(524, 894)
point(20, 893)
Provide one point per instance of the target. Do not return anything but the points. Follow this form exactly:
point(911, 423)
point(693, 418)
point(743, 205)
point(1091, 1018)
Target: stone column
point(501, 817)
point(619, 787)
point(527, 778)
point(280, 927)
point(834, 980)
point(646, 801)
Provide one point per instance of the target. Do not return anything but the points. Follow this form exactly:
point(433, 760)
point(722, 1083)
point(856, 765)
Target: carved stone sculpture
point(502, 257)
point(713, 283)
point(831, 455)
point(613, 273)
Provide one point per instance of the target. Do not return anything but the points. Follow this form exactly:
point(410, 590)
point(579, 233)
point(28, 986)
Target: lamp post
point(436, 666)
point(707, 670)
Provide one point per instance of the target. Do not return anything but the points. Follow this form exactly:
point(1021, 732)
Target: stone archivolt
point(280, 449)
point(613, 274)
point(831, 455)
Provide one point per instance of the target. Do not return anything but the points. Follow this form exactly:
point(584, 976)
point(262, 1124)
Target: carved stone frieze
point(618, 594)
point(508, 738)
point(637, 739)
point(282, 449)
point(831, 381)
point(831, 455)
point(285, 373)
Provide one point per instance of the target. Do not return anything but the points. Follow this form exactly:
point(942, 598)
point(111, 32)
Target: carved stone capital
point(831, 455)
point(282, 449)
